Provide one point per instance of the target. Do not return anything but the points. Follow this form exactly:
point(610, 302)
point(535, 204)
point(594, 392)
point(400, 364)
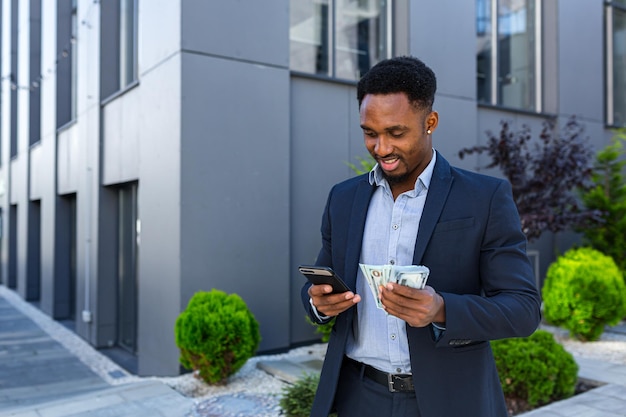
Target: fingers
point(417, 307)
point(331, 304)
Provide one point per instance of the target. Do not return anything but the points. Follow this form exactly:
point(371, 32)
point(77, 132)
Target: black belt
point(394, 382)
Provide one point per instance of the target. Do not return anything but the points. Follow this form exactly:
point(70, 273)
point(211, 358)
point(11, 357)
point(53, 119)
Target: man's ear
point(432, 120)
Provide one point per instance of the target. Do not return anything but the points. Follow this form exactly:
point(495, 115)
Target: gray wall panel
point(68, 160)
point(120, 138)
point(235, 186)
point(259, 33)
point(159, 25)
point(18, 179)
point(581, 57)
point(445, 39)
point(159, 198)
point(456, 129)
point(36, 172)
point(324, 131)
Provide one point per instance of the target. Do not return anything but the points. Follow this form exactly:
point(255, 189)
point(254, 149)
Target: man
point(426, 353)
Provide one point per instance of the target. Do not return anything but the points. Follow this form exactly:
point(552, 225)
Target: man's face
point(396, 136)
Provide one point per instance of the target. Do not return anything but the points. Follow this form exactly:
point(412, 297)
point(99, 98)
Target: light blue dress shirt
point(391, 228)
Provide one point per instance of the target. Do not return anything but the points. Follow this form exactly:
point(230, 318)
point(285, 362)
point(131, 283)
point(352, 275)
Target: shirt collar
point(423, 181)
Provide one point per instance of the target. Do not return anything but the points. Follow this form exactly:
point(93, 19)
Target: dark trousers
point(359, 396)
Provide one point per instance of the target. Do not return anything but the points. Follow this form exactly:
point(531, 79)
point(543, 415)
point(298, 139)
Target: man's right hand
point(331, 305)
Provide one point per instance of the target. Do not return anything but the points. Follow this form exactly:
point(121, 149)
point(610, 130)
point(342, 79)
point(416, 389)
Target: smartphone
point(323, 275)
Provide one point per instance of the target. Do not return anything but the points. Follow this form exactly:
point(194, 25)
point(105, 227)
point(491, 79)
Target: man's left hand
point(418, 308)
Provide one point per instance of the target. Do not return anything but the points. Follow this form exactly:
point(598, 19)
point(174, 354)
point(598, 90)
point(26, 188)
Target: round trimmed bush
point(584, 290)
point(216, 335)
point(535, 369)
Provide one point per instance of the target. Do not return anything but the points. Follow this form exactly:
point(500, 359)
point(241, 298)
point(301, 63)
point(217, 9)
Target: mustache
point(389, 156)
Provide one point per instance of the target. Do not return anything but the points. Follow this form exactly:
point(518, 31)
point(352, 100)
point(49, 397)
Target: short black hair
point(404, 74)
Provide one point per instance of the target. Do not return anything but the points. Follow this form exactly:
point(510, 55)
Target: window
point(34, 103)
point(73, 51)
point(508, 36)
point(339, 38)
point(67, 27)
point(13, 77)
point(118, 47)
point(128, 42)
point(616, 62)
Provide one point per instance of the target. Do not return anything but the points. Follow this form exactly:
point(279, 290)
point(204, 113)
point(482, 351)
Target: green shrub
point(608, 197)
point(365, 164)
point(536, 369)
point(324, 329)
point(216, 335)
point(584, 291)
point(297, 399)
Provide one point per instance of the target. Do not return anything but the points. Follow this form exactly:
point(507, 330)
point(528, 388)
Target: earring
point(429, 131)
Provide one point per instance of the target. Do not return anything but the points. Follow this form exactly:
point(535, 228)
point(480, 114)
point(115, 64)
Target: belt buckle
point(393, 378)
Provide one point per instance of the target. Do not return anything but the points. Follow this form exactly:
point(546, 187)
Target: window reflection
point(516, 44)
point(338, 38)
point(511, 57)
point(308, 35)
point(483, 46)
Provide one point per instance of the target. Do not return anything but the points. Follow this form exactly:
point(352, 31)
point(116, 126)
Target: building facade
point(152, 149)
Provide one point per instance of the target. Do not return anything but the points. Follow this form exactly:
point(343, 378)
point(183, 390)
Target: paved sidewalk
point(44, 377)
point(41, 377)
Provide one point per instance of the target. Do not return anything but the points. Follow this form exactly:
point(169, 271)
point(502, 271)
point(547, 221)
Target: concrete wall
point(325, 135)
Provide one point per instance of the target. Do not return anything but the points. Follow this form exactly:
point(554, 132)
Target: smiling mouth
point(388, 162)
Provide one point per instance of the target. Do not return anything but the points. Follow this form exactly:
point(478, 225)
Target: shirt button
point(398, 370)
point(395, 227)
point(391, 262)
point(393, 337)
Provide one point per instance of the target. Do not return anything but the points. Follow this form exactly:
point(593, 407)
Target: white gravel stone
point(249, 379)
point(610, 348)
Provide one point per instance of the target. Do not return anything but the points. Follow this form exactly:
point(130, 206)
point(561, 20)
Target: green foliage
point(365, 165)
point(297, 399)
point(608, 196)
point(584, 291)
point(323, 329)
point(536, 369)
point(216, 335)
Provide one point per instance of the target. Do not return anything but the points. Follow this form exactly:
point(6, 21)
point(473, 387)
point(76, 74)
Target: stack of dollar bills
point(414, 276)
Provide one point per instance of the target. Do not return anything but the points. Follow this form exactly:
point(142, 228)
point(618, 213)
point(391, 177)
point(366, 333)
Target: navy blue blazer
point(470, 237)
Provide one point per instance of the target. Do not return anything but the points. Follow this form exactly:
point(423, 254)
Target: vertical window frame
point(610, 7)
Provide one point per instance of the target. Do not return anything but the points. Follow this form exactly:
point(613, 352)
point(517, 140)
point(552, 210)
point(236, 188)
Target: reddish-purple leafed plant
point(545, 173)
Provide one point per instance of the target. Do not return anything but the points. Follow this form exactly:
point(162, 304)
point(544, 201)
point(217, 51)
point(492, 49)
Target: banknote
point(414, 276)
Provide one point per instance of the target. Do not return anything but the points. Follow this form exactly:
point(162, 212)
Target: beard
point(395, 179)
point(398, 178)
